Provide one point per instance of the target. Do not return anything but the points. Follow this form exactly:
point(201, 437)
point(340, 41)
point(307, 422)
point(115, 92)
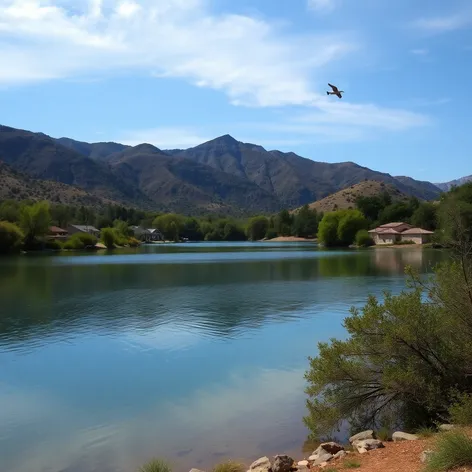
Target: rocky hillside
point(222, 175)
point(18, 186)
point(345, 198)
point(446, 186)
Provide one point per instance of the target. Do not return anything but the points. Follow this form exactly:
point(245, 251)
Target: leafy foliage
point(453, 450)
point(363, 238)
point(34, 221)
point(11, 237)
point(80, 241)
point(460, 411)
point(257, 228)
point(339, 228)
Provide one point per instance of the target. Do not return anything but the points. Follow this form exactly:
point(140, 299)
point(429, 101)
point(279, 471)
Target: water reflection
point(107, 364)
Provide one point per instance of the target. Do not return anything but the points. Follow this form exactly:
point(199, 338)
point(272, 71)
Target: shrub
point(363, 238)
point(108, 236)
point(351, 464)
point(453, 450)
point(404, 242)
point(156, 465)
point(53, 244)
point(133, 242)
point(80, 241)
point(426, 432)
point(11, 237)
point(229, 466)
point(460, 410)
point(383, 434)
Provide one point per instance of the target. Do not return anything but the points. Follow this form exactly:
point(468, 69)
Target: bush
point(453, 450)
point(229, 466)
point(460, 411)
point(133, 242)
point(339, 228)
point(11, 237)
point(156, 465)
point(426, 432)
point(404, 242)
point(363, 238)
point(108, 236)
point(80, 241)
point(351, 464)
point(53, 244)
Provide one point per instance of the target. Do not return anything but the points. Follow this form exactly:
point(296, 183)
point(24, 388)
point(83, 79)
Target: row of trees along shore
point(407, 359)
point(25, 224)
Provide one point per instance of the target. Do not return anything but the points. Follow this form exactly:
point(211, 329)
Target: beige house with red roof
point(393, 233)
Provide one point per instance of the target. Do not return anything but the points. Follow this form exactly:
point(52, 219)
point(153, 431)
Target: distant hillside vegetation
point(15, 185)
point(346, 198)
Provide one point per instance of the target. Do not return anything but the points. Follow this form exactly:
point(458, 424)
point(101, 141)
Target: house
point(72, 229)
point(394, 233)
point(57, 233)
point(147, 234)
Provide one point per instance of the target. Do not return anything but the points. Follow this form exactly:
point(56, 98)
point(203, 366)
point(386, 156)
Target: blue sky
point(176, 73)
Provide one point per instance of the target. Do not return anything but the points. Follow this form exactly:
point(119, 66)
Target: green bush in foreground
point(11, 237)
point(453, 450)
point(156, 465)
point(229, 466)
point(108, 237)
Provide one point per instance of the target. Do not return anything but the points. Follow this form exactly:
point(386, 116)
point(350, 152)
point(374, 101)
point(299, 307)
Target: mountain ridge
point(220, 175)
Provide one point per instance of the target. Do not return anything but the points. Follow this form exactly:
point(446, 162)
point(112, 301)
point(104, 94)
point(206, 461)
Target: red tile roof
point(56, 229)
point(417, 231)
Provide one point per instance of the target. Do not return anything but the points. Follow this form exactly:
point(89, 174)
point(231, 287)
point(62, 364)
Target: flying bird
point(335, 91)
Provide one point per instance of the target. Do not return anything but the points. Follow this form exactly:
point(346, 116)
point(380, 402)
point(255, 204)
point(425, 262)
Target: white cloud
point(249, 59)
point(321, 5)
point(443, 24)
point(419, 52)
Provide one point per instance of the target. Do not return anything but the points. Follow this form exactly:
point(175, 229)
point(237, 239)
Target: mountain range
point(220, 176)
point(446, 186)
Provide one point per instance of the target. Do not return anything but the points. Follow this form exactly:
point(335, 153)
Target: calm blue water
point(195, 353)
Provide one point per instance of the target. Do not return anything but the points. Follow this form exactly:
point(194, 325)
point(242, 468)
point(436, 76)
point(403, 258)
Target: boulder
point(261, 465)
point(196, 470)
point(446, 427)
point(340, 454)
point(369, 434)
point(365, 445)
point(401, 436)
point(319, 459)
point(282, 463)
point(302, 464)
point(426, 456)
point(330, 447)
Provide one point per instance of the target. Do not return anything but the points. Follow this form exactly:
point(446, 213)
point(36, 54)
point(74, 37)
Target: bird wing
point(339, 94)
point(335, 89)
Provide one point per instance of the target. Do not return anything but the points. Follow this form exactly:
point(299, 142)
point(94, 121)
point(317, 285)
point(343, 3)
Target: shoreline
point(288, 239)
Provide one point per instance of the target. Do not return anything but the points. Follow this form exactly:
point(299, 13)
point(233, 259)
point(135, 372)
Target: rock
point(369, 434)
point(261, 465)
point(365, 445)
point(400, 436)
point(446, 427)
point(318, 460)
point(330, 447)
point(426, 455)
point(303, 463)
point(196, 470)
point(340, 454)
point(282, 463)
point(323, 465)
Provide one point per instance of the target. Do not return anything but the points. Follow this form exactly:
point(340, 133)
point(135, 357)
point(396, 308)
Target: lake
point(191, 352)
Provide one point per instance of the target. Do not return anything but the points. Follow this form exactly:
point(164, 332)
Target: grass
point(230, 466)
point(453, 449)
point(351, 464)
point(156, 465)
point(383, 434)
point(426, 432)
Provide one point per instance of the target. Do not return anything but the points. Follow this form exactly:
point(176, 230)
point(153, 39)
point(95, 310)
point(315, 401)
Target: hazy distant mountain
point(222, 175)
point(454, 183)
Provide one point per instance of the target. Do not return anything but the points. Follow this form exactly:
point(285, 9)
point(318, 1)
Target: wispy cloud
point(443, 24)
point(419, 52)
point(321, 5)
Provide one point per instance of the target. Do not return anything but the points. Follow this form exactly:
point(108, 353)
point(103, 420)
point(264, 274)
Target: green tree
point(108, 236)
point(11, 237)
point(350, 222)
point(10, 211)
point(191, 230)
point(305, 223)
point(425, 216)
point(122, 228)
point(372, 206)
point(257, 228)
point(283, 223)
point(35, 221)
point(233, 232)
point(363, 238)
point(328, 229)
point(170, 225)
